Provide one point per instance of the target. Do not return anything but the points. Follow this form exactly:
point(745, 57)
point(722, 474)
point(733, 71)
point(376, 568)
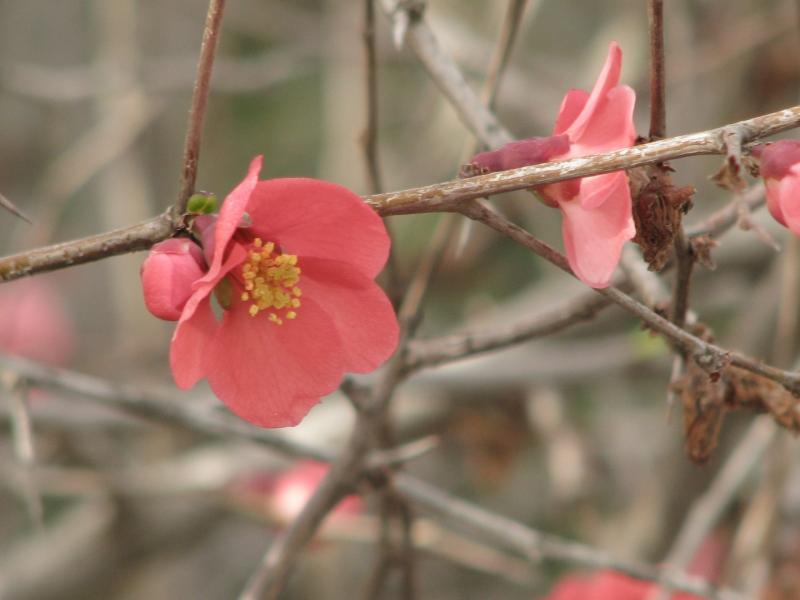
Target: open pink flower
point(34, 323)
point(596, 210)
point(292, 263)
point(780, 168)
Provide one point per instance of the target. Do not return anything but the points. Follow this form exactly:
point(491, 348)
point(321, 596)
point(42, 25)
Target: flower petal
point(522, 153)
point(359, 309)
point(611, 126)
point(168, 273)
point(271, 375)
point(775, 192)
point(608, 78)
point(230, 216)
point(190, 341)
point(594, 237)
point(787, 194)
point(571, 107)
point(316, 218)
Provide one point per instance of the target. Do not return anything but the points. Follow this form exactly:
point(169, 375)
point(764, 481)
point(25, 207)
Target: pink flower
point(34, 322)
point(294, 487)
point(292, 263)
point(606, 585)
point(780, 168)
point(596, 210)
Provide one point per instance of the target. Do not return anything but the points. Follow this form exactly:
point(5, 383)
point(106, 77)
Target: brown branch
point(505, 532)
point(194, 131)
point(432, 198)
point(537, 546)
point(161, 407)
point(58, 256)
point(710, 357)
point(658, 114)
point(446, 196)
point(369, 137)
point(707, 510)
point(684, 261)
point(423, 354)
point(270, 578)
point(471, 111)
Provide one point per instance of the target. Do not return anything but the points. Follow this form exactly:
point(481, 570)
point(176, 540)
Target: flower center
point(270, 282)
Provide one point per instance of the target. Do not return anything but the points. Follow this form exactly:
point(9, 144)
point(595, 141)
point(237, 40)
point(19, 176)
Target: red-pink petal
point(319, 219)
point(608, 78)
point(777, 158)
point(168, 273)
point(522, 153)
point(230, 217)
point(190, 341)
point(271, 375)
point(571, 107)
point(774, 195)
point(611, 127)
point(593, 237)
point(786, 199)
point(359, 309)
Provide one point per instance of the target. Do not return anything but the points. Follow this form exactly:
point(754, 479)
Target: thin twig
point(710, 357)
point(472, 112)
point(194, 131)
point(433, 198)
point(507, 533)
point(658, 114)
point(707, 510)
point(537, 546)
point(369, 137)
point(436, 351)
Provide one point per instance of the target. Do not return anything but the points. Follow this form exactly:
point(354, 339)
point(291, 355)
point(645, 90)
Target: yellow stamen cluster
point(270, 282)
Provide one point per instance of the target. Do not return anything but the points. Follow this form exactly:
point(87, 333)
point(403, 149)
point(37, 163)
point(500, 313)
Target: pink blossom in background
point(780, 168)
point(295, 486)
point(34, 322)
point(596, 210)
point(611, 585)
point(292, 263)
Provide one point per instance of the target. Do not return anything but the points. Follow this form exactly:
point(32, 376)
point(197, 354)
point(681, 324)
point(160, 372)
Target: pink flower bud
point(780, 168)
point(167, 276)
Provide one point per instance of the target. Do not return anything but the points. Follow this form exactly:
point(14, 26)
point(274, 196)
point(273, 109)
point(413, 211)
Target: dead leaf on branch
point(658, 209)
point(707, 398)
point(704, 409)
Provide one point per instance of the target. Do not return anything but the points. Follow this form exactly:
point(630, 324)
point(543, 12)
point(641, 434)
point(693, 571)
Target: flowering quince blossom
point(606, 585)
point(294, 488)
point(780, 168)
point(34, 323)
point(291, 262)
point(596, 210)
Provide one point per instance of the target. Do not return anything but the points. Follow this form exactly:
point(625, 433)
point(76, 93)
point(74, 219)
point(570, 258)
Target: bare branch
point(537, 546)
point(472, 112)
point(658, 113)
point(710, 357)
point(194, 132)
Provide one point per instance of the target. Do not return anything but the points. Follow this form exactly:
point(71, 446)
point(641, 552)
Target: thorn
point(10, 207)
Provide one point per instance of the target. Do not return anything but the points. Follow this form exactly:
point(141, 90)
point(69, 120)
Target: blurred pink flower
point(611, 585)
point(292, 263)
point(606, 585)
point(294, 487)
point(596, 210)
point(780, 168)
point(34, 322)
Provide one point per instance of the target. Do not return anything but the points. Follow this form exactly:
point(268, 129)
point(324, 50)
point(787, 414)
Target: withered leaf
point(658, 209)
